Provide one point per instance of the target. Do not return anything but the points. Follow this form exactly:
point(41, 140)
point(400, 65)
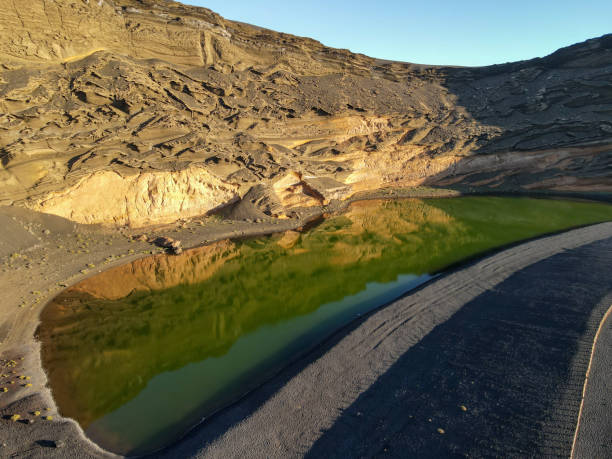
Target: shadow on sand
point(502, 377)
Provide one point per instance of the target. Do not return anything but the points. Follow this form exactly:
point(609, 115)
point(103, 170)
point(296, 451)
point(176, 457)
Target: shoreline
point(17, 339)
point(241, 426)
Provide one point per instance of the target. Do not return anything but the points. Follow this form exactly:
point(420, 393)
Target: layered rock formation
point(140, 199)
point(145, 111)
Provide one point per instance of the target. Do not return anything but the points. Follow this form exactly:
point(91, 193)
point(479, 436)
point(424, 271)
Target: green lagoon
point(141, 353)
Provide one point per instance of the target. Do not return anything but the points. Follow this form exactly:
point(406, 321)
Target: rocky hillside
point(145, 111)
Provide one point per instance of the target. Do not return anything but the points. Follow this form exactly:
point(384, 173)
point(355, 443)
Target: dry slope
point(145, 111)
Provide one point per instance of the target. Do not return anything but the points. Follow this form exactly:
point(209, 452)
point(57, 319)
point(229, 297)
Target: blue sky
point(449, 32)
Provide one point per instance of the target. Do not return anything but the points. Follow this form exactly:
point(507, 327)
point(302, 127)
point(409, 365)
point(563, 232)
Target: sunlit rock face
point(140, 199)
point(139, 88)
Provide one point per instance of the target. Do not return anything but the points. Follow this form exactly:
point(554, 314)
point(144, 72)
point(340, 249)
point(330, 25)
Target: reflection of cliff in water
point(159, 272)
point(106, 337)
point(207, 297)
point(197, 265)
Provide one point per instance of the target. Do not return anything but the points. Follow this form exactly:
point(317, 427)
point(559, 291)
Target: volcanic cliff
point(137, 112)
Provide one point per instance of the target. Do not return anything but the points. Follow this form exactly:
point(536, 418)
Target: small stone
point(463, 408)
point(57, 443)
point(441, 431)
point(47, 232)
point(170, 244)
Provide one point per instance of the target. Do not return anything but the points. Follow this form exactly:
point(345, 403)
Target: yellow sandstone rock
point(292, 192)
point(142, 199)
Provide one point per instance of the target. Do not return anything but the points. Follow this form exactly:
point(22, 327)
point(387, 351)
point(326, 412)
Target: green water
point(141, 353)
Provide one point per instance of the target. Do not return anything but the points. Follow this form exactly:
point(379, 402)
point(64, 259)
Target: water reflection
point(141, 352)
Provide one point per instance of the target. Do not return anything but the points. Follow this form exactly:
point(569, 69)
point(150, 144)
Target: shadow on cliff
point(554, 115)
point(503, 375)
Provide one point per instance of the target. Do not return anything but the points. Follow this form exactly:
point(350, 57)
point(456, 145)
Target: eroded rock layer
point(141, 112)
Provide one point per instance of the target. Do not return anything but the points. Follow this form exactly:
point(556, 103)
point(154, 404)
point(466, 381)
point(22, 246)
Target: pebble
point(57, 443)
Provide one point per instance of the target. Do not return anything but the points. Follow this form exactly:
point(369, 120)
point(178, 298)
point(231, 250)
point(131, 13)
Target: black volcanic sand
point(515, 357)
